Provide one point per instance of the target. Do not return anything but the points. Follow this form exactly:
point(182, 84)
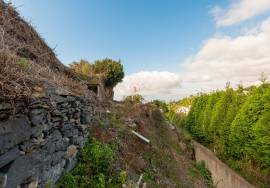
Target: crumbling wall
point(40, 137)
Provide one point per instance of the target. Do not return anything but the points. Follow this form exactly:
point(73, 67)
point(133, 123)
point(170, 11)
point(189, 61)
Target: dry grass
point(26, 60)
point(19, 37)
point(18, 76)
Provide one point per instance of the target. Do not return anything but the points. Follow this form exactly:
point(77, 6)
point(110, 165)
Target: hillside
point(50, 121)
point(164, 162)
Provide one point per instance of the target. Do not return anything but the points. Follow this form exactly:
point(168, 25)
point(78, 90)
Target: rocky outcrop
point(39, 138)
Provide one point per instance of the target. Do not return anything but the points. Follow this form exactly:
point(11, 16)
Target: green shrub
point(235, 125)
point(94, 168)
point(23, 63)
point(249, 138)
point(134, 99)
point(113, 71)
point(206, 174)
point(83, 68)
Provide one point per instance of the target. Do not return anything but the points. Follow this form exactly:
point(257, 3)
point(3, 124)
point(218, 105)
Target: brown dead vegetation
point(162, 162)
point(18, 76)
point(26, 60)
point(19, 37)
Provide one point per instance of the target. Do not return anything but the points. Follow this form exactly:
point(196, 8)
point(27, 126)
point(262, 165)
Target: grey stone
point(9, 156)
point(67, 126)
point(62, 145)
point(57, 124)
point(49, 147)
point(22, 169)
point(13, 132)
point(77, 140)
point(56, 113)
point(64, 105)
point(86, 118)
point(70, 163)
point(53, 173)
point(83, 127)
point(37, 111)
point(39, 139)
point(61, 91)
point(58, 99)
point(71, 98)
point(27, 146)
point(70, 133)
point(65, 119)
point(56, 135)
point(5, 106)
point(37, 130)
point(3, 180)
point(55, 119)
point(38, 116)
point(57, 156)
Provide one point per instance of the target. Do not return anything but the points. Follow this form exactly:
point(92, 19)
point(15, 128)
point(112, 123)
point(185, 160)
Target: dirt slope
point(165, 162)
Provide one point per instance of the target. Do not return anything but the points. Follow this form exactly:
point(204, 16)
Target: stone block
point(9, 156)
point(13, 132)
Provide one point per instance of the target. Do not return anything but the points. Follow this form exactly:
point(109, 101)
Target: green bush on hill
point(113, 71)
point(133, 99)
point(235, 124)
point(94, 168)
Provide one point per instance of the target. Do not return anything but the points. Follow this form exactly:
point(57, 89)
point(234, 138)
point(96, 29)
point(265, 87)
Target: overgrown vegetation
point(205, 173)
point(111, 70)
point(161, 105)
point(94, 168)
point(134, 99)
point(18, 76)
point(235, 125)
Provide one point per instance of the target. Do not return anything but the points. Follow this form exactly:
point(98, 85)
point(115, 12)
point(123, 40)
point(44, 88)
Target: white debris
point(141, 137)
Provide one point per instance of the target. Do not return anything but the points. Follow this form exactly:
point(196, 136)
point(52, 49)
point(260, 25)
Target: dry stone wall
point(39, 138)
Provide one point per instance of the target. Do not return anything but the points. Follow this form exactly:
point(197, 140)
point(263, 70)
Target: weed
point(94, 168)
point(23, 63)
point(205, 173)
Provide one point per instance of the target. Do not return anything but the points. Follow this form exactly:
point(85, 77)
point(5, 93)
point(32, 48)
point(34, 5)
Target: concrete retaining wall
point(222, 175)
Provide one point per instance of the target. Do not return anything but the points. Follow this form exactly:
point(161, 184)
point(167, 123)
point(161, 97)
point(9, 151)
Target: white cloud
point(220, 59)
point(150, 84)
point(239, 11)
point(224, 58)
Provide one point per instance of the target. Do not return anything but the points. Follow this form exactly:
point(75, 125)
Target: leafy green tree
point(260, 146)
point(223, 114)
point(249, 137)
point(112, 70)
point(195, 117)
point(236, 125)
point(207, 115)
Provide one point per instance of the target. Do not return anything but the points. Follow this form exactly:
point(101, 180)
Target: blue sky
point(169, 48)
point(144, 34)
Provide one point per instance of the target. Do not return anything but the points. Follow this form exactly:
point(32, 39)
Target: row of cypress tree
point(235, 124)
